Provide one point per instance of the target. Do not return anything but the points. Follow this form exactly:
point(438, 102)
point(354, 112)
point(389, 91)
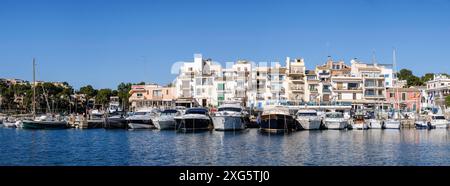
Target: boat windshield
point(233, 109)
point(438, 117)
point(307, 114)
point(169, 112)
point(140, 113)
point(335, 115)
point(197, 111)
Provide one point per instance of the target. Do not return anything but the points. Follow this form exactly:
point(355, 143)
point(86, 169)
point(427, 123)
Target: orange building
point(152, 95)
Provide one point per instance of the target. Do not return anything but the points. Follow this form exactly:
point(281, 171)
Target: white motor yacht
point(335, 120)
point(308, 119)
point(229, 117)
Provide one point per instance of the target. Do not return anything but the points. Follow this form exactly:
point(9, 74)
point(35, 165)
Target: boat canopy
point(233, 109)
point(196, 111)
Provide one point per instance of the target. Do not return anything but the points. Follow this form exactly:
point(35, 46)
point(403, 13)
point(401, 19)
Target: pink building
point(408, 99)
point(151, 96)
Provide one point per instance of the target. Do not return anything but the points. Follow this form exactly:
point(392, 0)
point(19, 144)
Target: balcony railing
point(373, 85)
point(373, 96)
point(348, 88)
point(297, 88)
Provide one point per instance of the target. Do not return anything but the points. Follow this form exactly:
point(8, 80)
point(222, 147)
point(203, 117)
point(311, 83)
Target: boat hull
point(360, 126)
point(94, 124)
point(116, 123)
point(140, 126)
point(277, 123)
point(391, 125)
point(439, 126)
point(309, 124)
point(9, 125)
point(193, 124)
point(165, 124)
point(375, 125)
point(331, 125)
point(44, 125)
point(223, 123)
point(422, 125)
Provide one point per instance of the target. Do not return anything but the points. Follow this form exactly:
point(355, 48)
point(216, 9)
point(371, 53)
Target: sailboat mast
point(34, 87)
point(396, 76)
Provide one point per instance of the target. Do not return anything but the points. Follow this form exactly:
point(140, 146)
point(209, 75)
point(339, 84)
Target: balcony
point(373, 76)
point(374, 96)
point(295, 88)
point(373, 85)
point(313, 90)
point(348, 89)
point(325, 90)
point(297, 72)
point(297, 79)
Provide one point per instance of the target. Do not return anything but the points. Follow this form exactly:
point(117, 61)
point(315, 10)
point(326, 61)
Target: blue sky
point(104, 43)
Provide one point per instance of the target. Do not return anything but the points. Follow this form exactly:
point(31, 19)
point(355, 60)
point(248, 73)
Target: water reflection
point(247, 147)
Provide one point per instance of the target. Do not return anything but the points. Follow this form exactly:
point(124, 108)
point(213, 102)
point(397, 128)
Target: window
point(352, 86)
point(157, 93)
point(387, 83)
point(339, 96)
point(139, 95)
point(403, 96)
point(354, 96)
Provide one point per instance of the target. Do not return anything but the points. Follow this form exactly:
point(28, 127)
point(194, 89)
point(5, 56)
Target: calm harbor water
point(249, 147)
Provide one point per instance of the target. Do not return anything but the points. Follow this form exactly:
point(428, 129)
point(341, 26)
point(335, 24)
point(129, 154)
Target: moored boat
point(44, 122)
point(229, 117)
point(166, 119)
point(374, 123)
point(142, 119)
point(359, 122)
point(194, 119)
point(277, 119)
point(335, 121)
point(115, 122)
point(391, 124)
point(421, 124)
point(438, 121)
point(308, 119)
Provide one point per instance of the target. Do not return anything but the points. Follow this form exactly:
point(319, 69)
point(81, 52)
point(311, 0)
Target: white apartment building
point(235, 83)
point(195, 81)
point(374, 87)
point(257, 85)
point(295, 77)
point(437, 90)
point(347, 89)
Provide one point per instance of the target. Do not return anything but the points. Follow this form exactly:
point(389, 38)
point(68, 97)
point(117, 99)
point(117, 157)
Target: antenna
point(34, 87)
point(374, 60)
